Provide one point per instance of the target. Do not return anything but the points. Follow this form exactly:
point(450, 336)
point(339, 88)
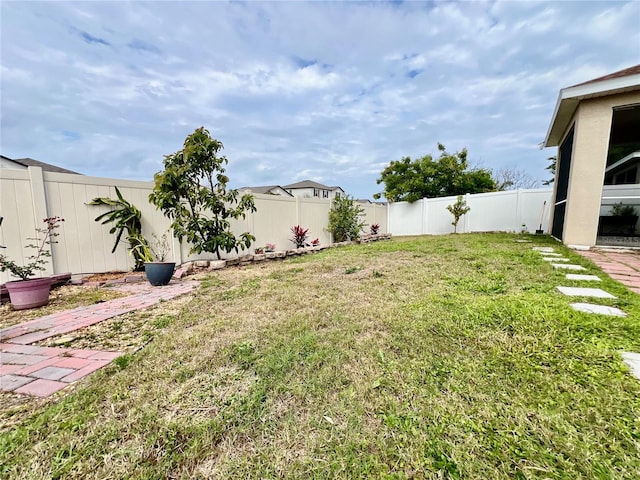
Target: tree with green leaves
point(192, 192)
point(126, 218)
point(345, 219)
point(410, 180)
point(458, 209)
point(552, 168)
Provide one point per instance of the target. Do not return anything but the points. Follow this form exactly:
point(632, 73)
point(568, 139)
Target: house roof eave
point(570, 97)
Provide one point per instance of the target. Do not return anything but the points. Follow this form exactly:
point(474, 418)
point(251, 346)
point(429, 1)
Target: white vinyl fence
point(509, 211)
point(84, 246)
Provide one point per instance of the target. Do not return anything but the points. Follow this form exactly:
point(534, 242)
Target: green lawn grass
point(429, 357)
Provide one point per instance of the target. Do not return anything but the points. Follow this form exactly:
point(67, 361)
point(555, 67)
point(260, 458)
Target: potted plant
point(270, 247)
point(160, 271)
point(31, 292)
point(125, 217)
point(375, 227)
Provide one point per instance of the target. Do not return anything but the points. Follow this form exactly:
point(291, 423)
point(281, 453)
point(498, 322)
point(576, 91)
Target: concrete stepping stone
point(551, 254)
point(543, 249)
point(585, 292)
point(523, 241)
point(599, 309)
point(555, 259)
point(567, 266)
point(632, 360)
point(586, 278)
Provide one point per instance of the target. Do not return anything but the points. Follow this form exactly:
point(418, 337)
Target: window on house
point(337, 194)
point(316, 192)
point(325, 194)
point(627, 177)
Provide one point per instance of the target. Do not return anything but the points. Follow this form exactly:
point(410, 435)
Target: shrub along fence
point(84, 246)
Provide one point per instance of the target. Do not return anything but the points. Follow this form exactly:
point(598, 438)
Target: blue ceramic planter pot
point(159, 273)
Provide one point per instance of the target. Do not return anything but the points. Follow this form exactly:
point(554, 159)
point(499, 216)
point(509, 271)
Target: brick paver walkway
point(623, 266)
point(41, 371)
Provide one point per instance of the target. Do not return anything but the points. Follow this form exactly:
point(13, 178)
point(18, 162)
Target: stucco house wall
point(587, 110)
point(592, 121)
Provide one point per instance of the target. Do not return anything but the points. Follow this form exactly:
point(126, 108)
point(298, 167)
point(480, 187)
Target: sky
point(326, 91)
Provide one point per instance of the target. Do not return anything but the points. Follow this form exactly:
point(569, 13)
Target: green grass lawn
point(430, 357)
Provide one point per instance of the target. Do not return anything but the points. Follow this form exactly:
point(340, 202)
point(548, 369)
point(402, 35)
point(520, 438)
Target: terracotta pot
point(159, 273)
point(25, 294)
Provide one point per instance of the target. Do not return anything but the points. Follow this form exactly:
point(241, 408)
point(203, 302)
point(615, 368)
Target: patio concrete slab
point(567, 266)
point(585, 278)
point(599, 309)
point(585, 292)
point(632, 360)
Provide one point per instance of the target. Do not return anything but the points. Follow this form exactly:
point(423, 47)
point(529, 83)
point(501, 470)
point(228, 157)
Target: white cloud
point(295, 90)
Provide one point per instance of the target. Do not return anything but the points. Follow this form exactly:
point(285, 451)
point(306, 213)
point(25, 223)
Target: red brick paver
point(41, 387)
point(42, 371)
point(623, 266)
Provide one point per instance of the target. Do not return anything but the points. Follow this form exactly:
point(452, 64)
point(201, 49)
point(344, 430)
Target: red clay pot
point(26, 294)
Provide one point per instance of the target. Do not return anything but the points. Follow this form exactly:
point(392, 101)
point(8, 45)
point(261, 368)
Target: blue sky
point(298, 90)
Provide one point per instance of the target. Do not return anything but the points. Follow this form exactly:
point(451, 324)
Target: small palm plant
point(126, 217)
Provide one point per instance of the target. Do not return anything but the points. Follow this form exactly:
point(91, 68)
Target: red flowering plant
point(300, 235)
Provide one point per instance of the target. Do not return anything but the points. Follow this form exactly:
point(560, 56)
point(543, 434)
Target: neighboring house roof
point(310, 184)
point(620, 73)
point(47, 167)
point(266, 189)
point(626, 80)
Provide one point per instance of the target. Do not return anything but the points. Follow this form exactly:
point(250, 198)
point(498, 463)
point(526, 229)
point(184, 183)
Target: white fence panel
point(314, 215)
point(406, 218)
point(438, 218)
point(495, 211)
point(19, 219)
point(374, 213)
point(533, 209)
point(84, 246)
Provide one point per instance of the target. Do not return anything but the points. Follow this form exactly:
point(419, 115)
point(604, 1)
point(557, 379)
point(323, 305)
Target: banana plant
point(126, 218)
